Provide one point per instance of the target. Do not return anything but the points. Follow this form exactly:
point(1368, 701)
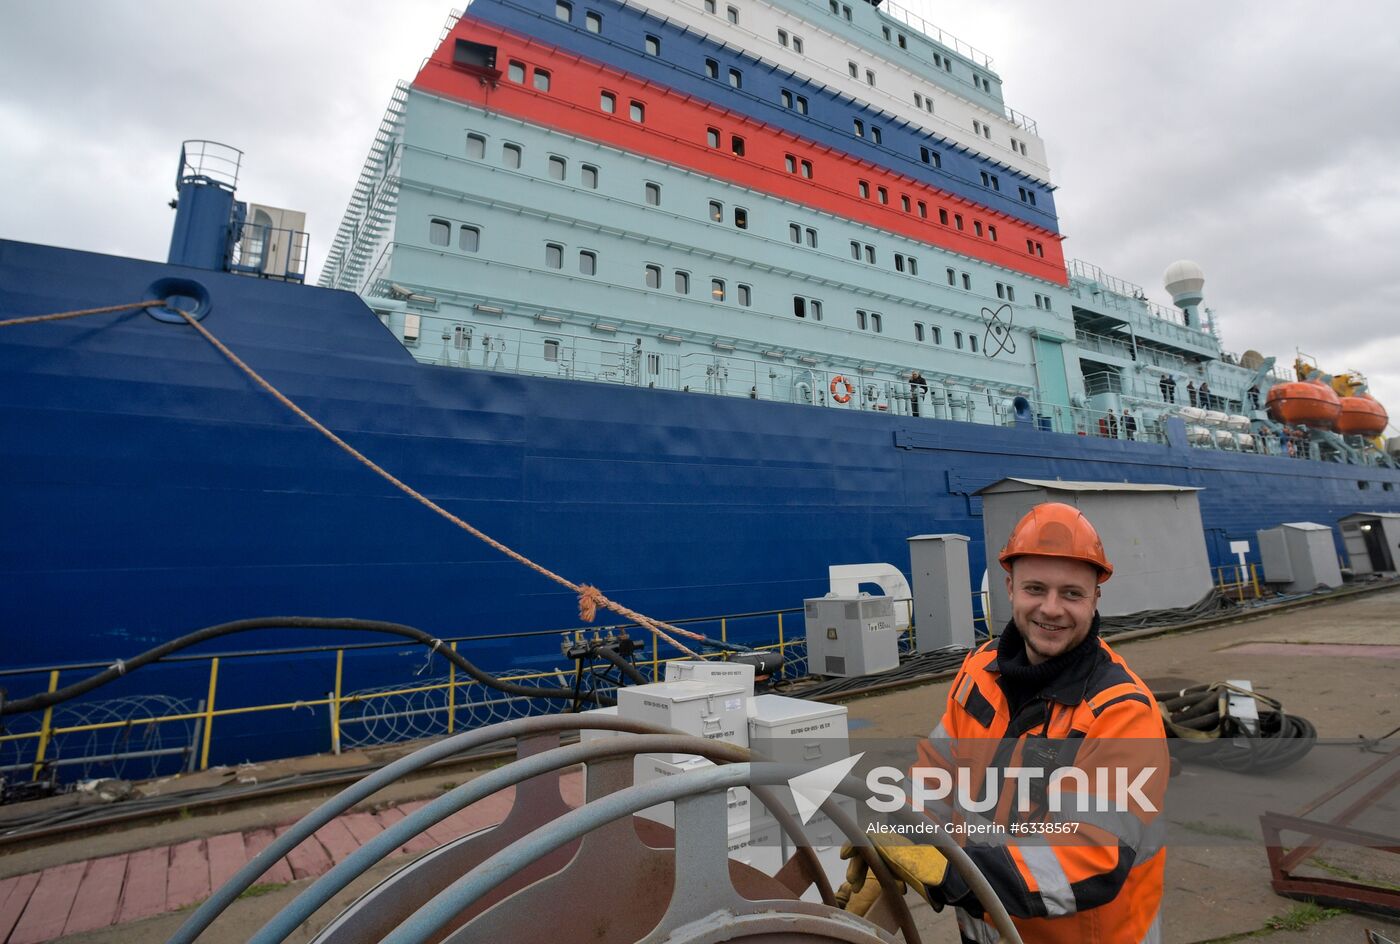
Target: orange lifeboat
point(1310, 404)
point(1362, 416)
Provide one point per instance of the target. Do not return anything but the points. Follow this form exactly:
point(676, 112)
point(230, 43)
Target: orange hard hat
point(1054, 529)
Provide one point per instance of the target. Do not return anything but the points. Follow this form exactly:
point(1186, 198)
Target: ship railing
point(354, 713)
point(900, 15)
point(1024, 122)
point(269, 252)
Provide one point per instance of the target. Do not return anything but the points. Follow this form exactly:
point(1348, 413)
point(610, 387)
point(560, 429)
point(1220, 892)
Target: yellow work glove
point(922, 868)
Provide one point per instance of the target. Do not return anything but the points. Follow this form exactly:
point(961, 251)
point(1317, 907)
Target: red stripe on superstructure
point(675, 131)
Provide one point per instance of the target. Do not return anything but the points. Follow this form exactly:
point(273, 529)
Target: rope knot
point(589, 599)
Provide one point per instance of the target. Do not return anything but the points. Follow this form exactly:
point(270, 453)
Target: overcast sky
point(1259, 139)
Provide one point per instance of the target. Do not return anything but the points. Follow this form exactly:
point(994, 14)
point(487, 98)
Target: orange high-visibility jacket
point(1103, 883)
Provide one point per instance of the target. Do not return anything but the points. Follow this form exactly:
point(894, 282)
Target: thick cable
point(112, 673)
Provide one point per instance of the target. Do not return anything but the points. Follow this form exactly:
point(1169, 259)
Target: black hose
point(116, 671)
point(628, 670)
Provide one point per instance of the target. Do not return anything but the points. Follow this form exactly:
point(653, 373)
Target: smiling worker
point(1050, 694)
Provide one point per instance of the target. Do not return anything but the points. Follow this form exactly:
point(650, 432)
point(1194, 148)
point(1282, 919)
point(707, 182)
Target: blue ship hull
point(149, 489)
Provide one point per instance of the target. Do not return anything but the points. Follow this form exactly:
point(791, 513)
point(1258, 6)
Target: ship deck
point(1333, 662)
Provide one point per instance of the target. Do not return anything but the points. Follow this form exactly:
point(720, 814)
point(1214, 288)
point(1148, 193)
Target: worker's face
point(1052, 603)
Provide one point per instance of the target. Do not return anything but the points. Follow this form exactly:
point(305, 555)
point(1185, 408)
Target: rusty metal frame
point(1318, 832)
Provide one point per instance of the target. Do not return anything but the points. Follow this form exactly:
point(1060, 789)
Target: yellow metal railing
point(336, 699)
point(1239, 581)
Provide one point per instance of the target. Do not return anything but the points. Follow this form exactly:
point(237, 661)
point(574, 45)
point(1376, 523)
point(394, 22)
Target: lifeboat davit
point(1310, 404)
point(1362, 416)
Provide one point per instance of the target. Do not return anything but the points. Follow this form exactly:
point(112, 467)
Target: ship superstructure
point(695, 195)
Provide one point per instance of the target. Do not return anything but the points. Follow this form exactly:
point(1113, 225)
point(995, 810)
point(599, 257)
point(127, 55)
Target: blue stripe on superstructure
point(830, 113)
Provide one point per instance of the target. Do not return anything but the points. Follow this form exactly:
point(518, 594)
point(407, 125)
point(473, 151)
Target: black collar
point(1065, 678)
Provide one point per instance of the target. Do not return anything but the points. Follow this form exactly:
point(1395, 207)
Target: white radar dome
point(1184, 280)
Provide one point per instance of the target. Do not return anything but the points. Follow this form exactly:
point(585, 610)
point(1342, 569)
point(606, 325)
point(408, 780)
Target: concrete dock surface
point(1336, 663)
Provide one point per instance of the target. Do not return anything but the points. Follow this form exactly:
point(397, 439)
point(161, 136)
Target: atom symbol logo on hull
point(998, 331)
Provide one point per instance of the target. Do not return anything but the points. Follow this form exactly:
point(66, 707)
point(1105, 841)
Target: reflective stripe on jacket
point(1104, 883)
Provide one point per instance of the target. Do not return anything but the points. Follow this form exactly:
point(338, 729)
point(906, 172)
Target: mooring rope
point(589, 597)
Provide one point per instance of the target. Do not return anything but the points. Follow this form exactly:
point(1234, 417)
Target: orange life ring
point(839, 381)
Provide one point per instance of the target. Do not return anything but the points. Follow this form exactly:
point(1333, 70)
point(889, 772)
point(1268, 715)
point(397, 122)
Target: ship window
point(986, 179)
point(883, 194)
point(859, 128)
point(918, 331)
point(558, 167)
point(913, 266)
point(1031, 194)
point(972, 342)
point(795, 233)
point(918, 100)
point(736, 145)
point(865, 190)
point(855, 250)
point(716, 211)
point(967, 281)
point(958, 220)
point(943, 216)
point(976, 126)
point(869, 77)
point(717, 289)
point(476, 146)
point(957, 339)
point(860, 319)
point(835, 7)
point(977, 227)
point(607, 101)
point(736, 78)
point(412, 325)
point(898, 262)
point(682, 283)
point(711, 69)
point(992, 231)
point(542, 80)
point(845, 11)
point(816, 310)
point(551, 350)
point(996, 182)
point(797, 44)
point(588, 174)
point(854, 69)
point(869, 253)
point(516, 71)
point(923, 209)
point(554, 255)
point(1001, 290)
point(653, 276)
point(936, 334)
point(709, 6)
point(653, 45)
point(588, 262)
point(712, 137)
point(1021, 191)
point(903, 41)
point(745, 294)
point(594, 22)
point(510, 155)
point(653, 193)
point(439, 232)
point(886, 31)
point(877, 323)
point(733, 13)
point(564, 11)
point(785, 97)
point(801, 105)
point(811, 237)
point(741, 218)
point(469, 239)
point(1011, 293)
point(904, 202)
point(952, 278)
point(653, 363)
point(799, 306)
point(638, 112)
point(807, 169)
point(782, 37)
point(1039, 249)
point(790, 162)
point(1047, 303)
point(1030, 246)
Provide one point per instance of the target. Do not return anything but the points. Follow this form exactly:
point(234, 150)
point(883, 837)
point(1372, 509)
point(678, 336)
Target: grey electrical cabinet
point(942, 591)
point(849, 636)
point(1300, 555)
